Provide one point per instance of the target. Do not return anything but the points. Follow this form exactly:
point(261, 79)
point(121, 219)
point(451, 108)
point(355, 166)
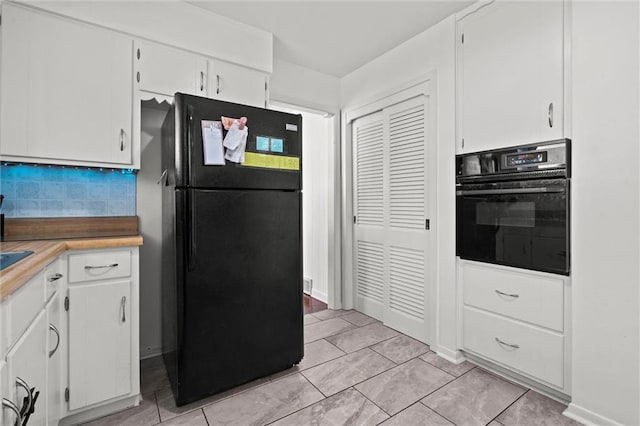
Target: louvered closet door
point(370, 233)
point(391, 199)
point(407, 207)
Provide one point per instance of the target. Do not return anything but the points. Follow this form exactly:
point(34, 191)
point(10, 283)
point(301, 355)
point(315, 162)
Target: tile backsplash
point(32, 190)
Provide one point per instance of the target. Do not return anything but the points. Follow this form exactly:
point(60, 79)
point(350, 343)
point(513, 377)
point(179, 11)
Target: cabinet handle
point(138, 53)
point(13, 407)
point(121, 139)
point(55, 277)
point(123, 304)
point(217, 84)
point(507, 344)
point(162, 176)
point(507, 294)
point(26, 387)
point(113, 265)
point(551, 114)
point(201, 81)
point(55, 330)
point(138, 76)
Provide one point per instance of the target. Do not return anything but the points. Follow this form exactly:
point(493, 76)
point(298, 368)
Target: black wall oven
point(512, 206)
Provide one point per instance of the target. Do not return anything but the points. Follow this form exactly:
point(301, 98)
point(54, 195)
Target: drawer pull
point(113, 265)
point(13, 407)
point(26, 387)
point(55, 330)
point(55, 277)
point(507, 344)
point(515, 296)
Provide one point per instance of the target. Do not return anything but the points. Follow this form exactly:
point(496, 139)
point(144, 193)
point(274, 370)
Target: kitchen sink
point(9, 258)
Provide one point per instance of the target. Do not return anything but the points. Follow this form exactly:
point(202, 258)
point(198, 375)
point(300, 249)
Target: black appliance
point(512, 206)
point(232, 250)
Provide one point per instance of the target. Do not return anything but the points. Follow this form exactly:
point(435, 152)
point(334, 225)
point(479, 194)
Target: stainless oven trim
point(546, 189)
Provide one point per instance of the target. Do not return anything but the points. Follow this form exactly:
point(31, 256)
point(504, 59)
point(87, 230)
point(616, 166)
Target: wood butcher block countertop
point(45, 251)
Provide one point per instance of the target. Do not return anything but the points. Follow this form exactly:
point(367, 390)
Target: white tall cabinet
point(66, 91)
point(510, 74)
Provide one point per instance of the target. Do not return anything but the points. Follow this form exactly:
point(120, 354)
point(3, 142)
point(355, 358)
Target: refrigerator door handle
point(191, 232)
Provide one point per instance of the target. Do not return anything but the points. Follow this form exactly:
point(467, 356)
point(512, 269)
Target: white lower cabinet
point(27, 364)
point(518, 320)
point(99, 336)
point(103, 350)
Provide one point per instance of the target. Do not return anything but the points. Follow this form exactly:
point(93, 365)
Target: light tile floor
point(356, 371)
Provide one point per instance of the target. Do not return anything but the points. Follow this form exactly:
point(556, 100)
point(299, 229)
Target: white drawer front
point(101, 265)
point(525, 296)
point(23, 306)
point(540, 353)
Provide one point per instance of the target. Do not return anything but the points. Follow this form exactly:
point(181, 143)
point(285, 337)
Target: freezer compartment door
point(242, 290)
point(273, 154)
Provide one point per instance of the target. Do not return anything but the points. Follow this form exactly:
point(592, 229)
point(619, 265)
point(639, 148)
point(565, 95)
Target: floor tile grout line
point(509, 406)
point(371, 401)
point(302, 408)
point(442, 369)
point(437, 412)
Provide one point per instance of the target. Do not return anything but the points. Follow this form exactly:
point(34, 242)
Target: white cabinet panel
point(55, 344)
point(27, 361)
point(234, 83)
point(100, 334)
point(66, 90)
point(528, 297)
point(22, 307)
point(531, 350)
point(510, 74)
point(100, 265)
point(165, 70)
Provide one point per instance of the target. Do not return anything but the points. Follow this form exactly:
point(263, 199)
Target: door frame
point(426, 85)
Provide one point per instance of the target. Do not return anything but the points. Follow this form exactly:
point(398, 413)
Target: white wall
point(315, 193)
point(297, 85)
point(433, 49)
point(149, 210)
point(605, 229)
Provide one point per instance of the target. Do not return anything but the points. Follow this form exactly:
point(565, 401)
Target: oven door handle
point(546, 189)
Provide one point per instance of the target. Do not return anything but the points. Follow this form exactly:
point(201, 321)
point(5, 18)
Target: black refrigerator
point(232, 250)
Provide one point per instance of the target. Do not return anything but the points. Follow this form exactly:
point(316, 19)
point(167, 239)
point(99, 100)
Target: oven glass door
point(523, 224)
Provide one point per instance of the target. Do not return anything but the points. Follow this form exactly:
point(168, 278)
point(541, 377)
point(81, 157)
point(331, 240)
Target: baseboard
point(321, 296)
point(101, 411)
point(587, 417)
point(456, 357)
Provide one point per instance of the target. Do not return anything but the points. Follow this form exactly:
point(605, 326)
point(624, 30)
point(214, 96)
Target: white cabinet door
point(27, 364)
point(234, 83)
point(510, 75)
point(165, 70)
point(55, 344)
point(7, 415)
point(66, 90)
point(99, 342)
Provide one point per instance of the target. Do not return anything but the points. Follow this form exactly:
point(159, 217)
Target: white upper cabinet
point(234, 83)
point(509, 74)
point(66, 91)
point(164, 70)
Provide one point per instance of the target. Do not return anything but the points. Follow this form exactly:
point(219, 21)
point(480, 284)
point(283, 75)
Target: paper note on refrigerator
point(235, 141)
point(212, 143)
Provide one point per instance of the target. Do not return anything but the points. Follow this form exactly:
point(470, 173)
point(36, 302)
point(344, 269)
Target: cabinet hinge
point(66, 303)
point(354, 219)
point(462, 41)
point(66, 394)
point(427, 224)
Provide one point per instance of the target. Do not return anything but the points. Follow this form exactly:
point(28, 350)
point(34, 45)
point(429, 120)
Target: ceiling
point(336, 37)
